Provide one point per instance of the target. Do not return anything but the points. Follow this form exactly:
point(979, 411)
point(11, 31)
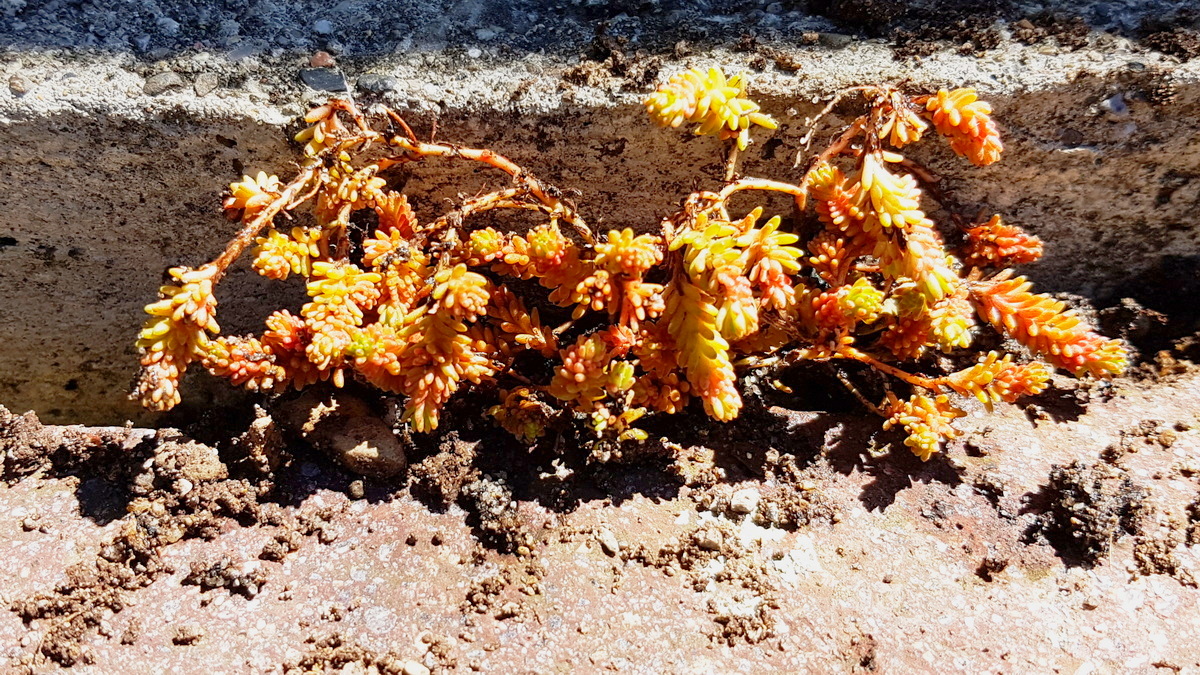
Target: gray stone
point(324, 79)
point(244, 50)
point(323, 27)
point(378, 84)
point(229, 28)
point(157, 84)
point(167, 25)
point(205, 84)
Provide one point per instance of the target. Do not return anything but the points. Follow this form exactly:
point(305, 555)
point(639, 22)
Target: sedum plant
point(634, 321)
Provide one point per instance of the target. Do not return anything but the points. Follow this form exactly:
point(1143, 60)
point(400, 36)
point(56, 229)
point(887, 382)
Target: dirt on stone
point(1089, 508)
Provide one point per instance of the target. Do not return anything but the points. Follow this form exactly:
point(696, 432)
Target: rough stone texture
point(934, 566)
point(103, 186)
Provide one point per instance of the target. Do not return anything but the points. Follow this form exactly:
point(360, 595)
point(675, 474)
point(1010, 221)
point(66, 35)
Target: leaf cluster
point(641, 321)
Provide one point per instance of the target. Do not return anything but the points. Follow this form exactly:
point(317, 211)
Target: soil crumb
point(1090, 507)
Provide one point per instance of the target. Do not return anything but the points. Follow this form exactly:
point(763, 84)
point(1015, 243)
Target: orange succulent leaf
point(176, 334)
point(967, 122)
point(996, 244)
point(999, 379)
point(1047, 327)
point(703, 352)
point(926, 419)
point(711, 100)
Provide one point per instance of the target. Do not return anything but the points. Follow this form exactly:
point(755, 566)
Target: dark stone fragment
point(324, 79)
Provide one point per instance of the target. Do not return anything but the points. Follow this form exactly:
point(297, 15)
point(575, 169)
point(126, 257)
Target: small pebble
point(474, 52)
point(243, 51)
point(1115, 106)
point(608, 542)
point(357, 490)
point(835, 40)
point(710, 539)
point(414, 668)
point(157, 84)
point(744, 501)
point(322, 59)
point(18, 85)
point(229, 28)
point(188, 634)
point(323, 27)
point(1071, 137)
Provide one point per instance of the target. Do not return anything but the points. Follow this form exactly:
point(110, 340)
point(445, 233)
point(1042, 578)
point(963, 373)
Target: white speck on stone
point(802, 558)
point(385, 552)
point(474, 52)
point(1115, 105)
point(379, 619)
point(751, 532)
